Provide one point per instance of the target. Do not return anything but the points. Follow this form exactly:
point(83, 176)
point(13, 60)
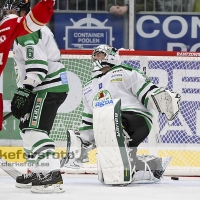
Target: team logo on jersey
point(87, 91)
point(36, 111)
point(117, 70)
point(100, 85)
point(29, 42)
point(63, 77)
point(2, 39)
point(116, 75)
point(116, 80)
point(26, 117)
point(102, 98)
point(5, 29)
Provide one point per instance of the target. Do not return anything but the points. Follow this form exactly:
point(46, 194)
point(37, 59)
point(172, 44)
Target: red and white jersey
point(12, 26)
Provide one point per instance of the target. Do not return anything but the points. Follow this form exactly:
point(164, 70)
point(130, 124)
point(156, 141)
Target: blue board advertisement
point(153, 32)
point(166, 32)
point(86, 31)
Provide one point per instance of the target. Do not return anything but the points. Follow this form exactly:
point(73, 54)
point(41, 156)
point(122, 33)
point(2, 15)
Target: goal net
point(176, 71)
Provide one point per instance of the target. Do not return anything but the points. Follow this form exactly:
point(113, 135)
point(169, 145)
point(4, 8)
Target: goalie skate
point(149, 175)
point(77, 151)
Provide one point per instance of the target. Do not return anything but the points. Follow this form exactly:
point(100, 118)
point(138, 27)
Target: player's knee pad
point(37, 138)
point(99, 171)
point(37, 145)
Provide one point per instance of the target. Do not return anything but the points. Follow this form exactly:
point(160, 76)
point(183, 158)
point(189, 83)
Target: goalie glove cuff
point(167, 103)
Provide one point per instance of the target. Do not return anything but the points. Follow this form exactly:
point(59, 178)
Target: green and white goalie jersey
point(120, 82)
point(37, 56)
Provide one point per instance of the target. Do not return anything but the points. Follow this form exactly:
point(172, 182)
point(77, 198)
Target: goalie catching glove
point(20, 101)
point(167, 103)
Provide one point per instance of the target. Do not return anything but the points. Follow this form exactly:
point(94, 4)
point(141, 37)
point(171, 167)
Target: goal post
point(176, 71)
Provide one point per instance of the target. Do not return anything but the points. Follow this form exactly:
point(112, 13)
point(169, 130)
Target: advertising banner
point(168, 32)
point(86, 31)
point(153, 32)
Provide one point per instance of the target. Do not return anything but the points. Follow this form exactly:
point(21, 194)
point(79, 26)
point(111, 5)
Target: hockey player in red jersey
point(12, 26)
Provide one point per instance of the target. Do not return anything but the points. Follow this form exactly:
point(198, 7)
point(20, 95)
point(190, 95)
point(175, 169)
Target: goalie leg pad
point(167, 103)
point(113, 153)
point(99, 171)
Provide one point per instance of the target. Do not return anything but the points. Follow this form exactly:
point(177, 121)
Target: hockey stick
point(7, 116)
point(66, 158)
point(9, 169)
point(14, 173)
point(6, 166)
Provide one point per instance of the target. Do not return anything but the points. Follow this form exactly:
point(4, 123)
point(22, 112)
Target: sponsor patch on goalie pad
point(167, 103)
point(111, 145)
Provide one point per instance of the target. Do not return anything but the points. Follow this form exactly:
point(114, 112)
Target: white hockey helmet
point(111, 56)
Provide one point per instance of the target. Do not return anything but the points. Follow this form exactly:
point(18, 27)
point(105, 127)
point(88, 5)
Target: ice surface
point(87, 187)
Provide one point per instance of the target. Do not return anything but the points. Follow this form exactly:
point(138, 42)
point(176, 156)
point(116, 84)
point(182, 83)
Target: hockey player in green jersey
point(138, 96)
point(42, 88)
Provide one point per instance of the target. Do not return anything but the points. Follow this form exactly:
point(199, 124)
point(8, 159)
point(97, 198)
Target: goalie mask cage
point(176, 71)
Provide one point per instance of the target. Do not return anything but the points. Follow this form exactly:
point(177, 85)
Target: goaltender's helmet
point(17, 5)
point(111, 56)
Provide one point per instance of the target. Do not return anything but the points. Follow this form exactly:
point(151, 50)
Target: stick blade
point(9, 169)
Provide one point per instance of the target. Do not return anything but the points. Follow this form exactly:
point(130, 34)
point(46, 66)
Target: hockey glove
point(20, 101)
point(167, 103)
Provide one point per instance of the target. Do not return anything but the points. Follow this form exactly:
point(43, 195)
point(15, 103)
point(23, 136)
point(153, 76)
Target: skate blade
point(19, 185)
point(73, 165)
point(144, 177)
point(44, 189)
point(145, 181)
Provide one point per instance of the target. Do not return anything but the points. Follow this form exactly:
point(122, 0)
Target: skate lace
point(41, 178)
point(29, 175)
point(127, 140)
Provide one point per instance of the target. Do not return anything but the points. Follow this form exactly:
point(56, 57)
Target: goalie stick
point(66, 158)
